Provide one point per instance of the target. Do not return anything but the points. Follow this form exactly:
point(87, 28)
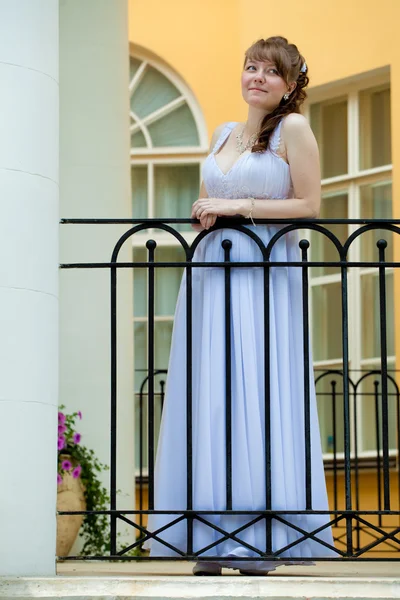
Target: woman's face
point(262, 86)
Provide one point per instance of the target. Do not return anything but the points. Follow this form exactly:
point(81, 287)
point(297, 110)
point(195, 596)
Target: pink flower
point(76, 472)
point(59, 479)
point(61, 417)
point(77, 438)
point(61, 428)
point(66, 465)
point(79, 414)
point(61, 442)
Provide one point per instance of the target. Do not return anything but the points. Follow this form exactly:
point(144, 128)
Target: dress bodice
point(259, 175)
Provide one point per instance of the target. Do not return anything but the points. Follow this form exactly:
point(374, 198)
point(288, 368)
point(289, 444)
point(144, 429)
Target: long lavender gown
point(263, 176)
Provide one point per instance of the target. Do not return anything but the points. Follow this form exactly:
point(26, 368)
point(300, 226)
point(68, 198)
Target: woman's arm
point(303, 158)
point(208, 220)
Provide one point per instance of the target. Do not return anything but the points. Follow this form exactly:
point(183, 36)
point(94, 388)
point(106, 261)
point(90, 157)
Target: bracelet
point(249, 216)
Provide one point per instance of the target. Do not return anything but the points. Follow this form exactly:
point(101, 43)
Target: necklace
point(240, 147)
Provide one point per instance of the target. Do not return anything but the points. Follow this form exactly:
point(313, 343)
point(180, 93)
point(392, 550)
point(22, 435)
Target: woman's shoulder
point(290, 127)
point(219, 130)
point(294, 122)
point(295, 127)
point(297, 137)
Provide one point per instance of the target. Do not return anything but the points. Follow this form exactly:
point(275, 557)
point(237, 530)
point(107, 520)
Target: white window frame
point(350, 183)
point(186, 97)
point(161, 237)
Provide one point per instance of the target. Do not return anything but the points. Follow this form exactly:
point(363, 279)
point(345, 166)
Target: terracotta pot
point(70, 496)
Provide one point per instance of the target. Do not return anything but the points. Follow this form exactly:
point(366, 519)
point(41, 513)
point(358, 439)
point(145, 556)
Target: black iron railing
point(350, 516)
point(334, 461)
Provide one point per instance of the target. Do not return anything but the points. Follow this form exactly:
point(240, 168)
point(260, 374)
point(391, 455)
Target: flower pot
point(70, 496)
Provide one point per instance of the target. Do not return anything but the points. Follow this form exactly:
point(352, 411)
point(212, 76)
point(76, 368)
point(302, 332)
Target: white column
point(28, 293)
point(95, 183)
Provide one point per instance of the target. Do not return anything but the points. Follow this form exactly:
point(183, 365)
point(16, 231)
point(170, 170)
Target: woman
point(267, 167)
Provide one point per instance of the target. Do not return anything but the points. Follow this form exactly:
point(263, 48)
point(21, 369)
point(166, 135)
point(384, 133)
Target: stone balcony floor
point(184, 569)
point(173, 580)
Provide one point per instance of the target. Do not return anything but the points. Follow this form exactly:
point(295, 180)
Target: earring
point(286, 97)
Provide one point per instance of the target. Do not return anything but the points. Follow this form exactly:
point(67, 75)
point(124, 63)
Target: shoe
point(255, 573)
point(206, 568)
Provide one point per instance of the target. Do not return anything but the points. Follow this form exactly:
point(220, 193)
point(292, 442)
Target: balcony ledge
point(172, 580)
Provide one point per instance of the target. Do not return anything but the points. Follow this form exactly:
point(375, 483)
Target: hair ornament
point(304, 67)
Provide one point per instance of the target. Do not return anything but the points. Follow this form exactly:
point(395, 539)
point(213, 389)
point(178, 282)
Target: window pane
point(167, 281)
point(375, 127)
point(371, 314)
point(326, 323)
point(139, 192)
point(141, 401)
point(176, 188)
point(332, 207)
point(139, 284)
point(140, 349)
point(327, 401)
point(157, 419)
point(178, 128)
point(376, 203)
point(138, 140)
point(153, 92)
point(162, 343)
point(368, 415)
point(329, 124)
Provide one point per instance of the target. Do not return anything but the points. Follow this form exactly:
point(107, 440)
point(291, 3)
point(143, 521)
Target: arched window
point(168, 142)
point(164, 118)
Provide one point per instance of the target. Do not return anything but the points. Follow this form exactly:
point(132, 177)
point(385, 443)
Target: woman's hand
point(208, 209)
point(205, 223)
point(208, 221)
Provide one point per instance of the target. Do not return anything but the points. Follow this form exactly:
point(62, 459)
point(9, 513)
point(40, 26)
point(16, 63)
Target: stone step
point(175, 587)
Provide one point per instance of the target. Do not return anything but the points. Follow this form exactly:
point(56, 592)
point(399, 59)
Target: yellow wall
point(368, 500)
point(199, 40)
point(338, 39)
point(205, 40)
